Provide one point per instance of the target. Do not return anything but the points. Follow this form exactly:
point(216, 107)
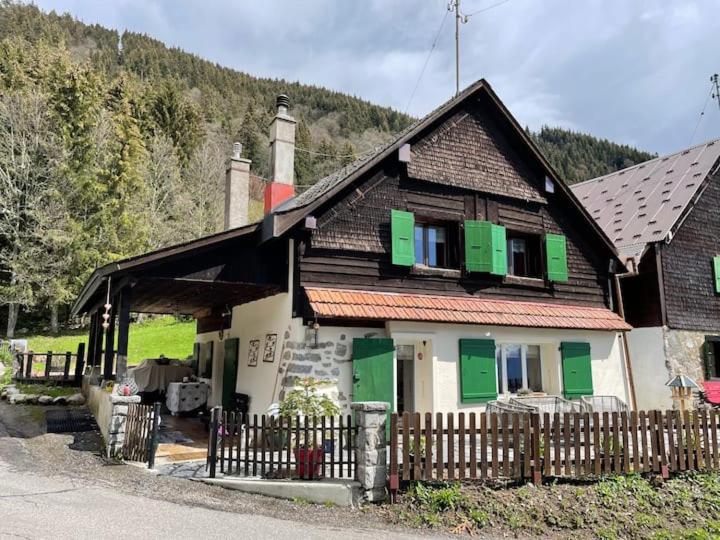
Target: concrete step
point(334, 491)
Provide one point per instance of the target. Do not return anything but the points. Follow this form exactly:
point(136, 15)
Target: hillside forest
point(114, 144)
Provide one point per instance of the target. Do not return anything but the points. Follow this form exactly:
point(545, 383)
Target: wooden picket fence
point(277, 447)
point(141, 433)
point(525, 445)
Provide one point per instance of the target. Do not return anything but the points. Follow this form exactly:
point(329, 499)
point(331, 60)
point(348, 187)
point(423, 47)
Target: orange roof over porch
point(357, 304)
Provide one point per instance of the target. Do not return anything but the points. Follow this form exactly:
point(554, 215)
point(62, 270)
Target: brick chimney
point(237, 189)
point(282, 156)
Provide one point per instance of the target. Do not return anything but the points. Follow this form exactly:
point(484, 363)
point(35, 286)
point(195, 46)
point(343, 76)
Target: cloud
point(635, 72)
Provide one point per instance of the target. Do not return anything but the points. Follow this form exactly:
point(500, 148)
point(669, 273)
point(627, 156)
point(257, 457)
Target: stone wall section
point(327, 357)
point(110, 412)
point(684, 353)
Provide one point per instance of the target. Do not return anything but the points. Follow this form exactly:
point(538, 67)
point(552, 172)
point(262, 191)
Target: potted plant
point(305, 400)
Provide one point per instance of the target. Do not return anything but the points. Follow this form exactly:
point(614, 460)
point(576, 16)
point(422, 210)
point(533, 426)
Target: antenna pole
point(716, 92)
point(456, 5)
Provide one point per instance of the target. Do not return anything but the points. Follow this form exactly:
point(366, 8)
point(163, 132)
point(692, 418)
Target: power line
point(314, 153)
point(467, 16)
point(702, 113)
point(427, 60)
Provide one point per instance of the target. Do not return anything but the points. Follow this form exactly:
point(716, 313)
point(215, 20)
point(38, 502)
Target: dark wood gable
point(687, 273)
point(469, 150)
point(466, 166)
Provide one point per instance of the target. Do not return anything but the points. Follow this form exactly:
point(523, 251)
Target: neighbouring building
point(663, 217)
point(447, 268)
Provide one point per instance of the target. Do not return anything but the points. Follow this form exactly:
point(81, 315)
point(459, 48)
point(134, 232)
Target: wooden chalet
point(663, 217)
point(446, 269)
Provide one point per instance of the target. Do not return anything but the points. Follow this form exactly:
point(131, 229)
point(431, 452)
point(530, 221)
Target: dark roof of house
point(326, 187)
point(643, 203)
point(329, 185)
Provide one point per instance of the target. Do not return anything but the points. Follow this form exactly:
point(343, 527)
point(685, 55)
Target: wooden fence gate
point(281, 447)
point(141, 428)
point(525, 445)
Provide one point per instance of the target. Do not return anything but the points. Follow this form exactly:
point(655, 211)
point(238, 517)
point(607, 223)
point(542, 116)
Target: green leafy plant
point(307, 401)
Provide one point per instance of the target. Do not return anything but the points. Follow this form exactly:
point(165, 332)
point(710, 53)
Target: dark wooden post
point(152, 443)
point(79, 362)
point(66, 370)
point(110, 344)
point(124, 300)
point(48, 362)
point(97, 349)
point(215, 414)
point(91, 338)
point(28, 366)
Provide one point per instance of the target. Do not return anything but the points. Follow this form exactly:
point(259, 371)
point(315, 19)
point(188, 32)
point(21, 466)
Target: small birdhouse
point(682, 387)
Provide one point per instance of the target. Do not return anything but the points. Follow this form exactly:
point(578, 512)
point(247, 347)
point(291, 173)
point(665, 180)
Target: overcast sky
point(632, 71)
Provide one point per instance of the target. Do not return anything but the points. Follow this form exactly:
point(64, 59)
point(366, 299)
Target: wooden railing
point(49, 367)
point(523, 445)
point(281, 447)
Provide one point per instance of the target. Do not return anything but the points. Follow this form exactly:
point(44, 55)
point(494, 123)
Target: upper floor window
point(435, 245)
point(524, 255)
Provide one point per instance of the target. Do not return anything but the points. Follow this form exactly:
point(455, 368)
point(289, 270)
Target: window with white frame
point(518, 367)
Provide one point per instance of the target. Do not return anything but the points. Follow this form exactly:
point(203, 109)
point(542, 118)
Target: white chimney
point(282, 156)
point(237, 189)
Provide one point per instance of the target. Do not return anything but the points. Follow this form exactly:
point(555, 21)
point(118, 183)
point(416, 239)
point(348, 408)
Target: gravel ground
point(25, 448)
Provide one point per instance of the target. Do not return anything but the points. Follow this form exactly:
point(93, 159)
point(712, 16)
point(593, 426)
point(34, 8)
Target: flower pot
point(308, 462)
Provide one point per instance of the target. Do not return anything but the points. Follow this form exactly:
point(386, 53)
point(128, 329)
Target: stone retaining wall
point(110, 412)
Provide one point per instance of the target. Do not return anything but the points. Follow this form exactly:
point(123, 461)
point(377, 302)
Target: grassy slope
point(612, 508)
point(150, 339)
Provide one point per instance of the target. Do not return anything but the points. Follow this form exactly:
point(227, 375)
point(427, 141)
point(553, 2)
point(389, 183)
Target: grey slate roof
point(643, 203)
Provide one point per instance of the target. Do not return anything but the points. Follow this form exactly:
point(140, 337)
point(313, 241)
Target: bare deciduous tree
point(29, 157)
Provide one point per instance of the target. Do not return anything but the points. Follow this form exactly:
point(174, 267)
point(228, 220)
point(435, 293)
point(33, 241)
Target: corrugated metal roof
point(641, 204)
point(355, 304)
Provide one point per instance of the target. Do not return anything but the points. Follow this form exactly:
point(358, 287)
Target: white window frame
point(503, 391)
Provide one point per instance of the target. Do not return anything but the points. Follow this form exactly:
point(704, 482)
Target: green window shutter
point(478, 379)
point(402, 226)
point(556, 254)
point(196, 358)
point(577, 370)
point(499, 251)
point(709, 359)
point(716, 268)
point(485, 247)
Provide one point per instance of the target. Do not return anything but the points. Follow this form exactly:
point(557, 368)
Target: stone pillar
point(118, 409)
point(370, 448)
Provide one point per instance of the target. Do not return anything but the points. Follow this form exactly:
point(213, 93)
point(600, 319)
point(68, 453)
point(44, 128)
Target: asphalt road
point(40, 507)
point(50, 487)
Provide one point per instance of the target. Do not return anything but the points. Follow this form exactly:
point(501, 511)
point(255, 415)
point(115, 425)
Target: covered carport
point(203, 278)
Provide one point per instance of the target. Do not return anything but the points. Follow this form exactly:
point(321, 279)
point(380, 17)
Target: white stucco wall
point(650, 372)
point(608, 369)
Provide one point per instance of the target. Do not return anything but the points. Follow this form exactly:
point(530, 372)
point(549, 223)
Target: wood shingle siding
point(469, 150)
point(351, 247)
point(687, 265)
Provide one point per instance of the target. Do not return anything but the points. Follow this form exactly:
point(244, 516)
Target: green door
point(373, 370)
point(230, 369)
point(577, 371)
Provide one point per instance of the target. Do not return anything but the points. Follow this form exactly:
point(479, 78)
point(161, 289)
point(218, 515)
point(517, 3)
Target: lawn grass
point(149, 339)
